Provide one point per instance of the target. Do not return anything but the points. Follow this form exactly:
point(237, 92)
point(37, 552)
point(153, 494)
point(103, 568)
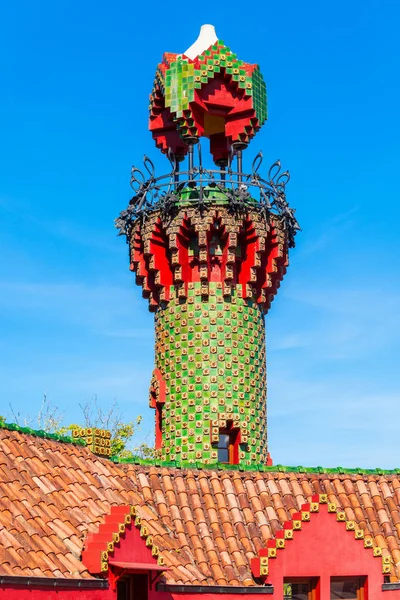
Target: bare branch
point(15, 416)
point(50, 418)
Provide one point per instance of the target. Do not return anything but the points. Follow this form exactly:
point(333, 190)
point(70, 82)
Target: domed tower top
point(207, 37)
point(207, 91)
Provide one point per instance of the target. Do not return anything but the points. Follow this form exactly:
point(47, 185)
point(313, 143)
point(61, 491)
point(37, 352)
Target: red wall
point(323, 548)
point(21, 593)
point(220, 597)
point(45, 593)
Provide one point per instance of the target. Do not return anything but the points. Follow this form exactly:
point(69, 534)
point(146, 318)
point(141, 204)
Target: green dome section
point(259, 95)
point(182, 78)
point(179, 86)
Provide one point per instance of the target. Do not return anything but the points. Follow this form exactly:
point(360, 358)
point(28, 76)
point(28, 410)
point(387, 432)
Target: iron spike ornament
point(207, 92)
point(209, 247)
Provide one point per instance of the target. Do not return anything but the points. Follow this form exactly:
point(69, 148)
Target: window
point(134, 587)
point(215, 245)
point(228, 445)
point(193, 248)
point(223, 448)
point(300, 589)
point(123, 590)
point(139, 587)
point(159, 424)
point(349, 588)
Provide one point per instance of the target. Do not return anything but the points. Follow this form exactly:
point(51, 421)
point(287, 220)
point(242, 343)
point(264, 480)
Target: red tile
point(207, 524)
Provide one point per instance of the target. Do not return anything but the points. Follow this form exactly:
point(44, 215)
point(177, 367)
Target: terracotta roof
point(207, 524)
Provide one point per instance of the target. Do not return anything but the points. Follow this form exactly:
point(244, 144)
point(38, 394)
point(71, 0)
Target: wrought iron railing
point(200, 187)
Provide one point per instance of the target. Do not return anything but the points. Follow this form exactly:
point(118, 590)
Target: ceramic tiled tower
point(209, 248)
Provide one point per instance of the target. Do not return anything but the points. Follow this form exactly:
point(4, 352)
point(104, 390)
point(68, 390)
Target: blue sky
point(75, 79)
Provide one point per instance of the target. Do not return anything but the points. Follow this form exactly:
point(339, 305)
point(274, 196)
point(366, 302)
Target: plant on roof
point(50, 419)
point(122, 433)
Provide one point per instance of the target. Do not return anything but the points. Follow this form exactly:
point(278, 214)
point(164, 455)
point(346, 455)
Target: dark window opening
point(348, 588)
point(123, 590)
point(217, 240)
point(159, 424)
point(228, 445)
point(215, 246)
point(301, 589)
point(193, 249)
point(223, 447)
point(134, 587)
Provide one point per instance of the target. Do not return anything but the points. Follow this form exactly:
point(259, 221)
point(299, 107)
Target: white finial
point(207, 37)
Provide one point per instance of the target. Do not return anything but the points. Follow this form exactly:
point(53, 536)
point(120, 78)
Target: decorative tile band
point(98, 440)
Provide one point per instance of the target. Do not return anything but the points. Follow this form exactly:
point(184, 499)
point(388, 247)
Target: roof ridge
point(41, 433)
point(260, 469)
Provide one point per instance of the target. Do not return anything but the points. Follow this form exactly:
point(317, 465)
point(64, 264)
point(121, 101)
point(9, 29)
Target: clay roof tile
point(218, 520)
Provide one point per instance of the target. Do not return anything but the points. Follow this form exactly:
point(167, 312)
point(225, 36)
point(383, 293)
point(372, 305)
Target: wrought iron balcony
point(202, 187)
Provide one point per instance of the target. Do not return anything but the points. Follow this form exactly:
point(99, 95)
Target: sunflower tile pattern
point(211, 354)
point(207, 523)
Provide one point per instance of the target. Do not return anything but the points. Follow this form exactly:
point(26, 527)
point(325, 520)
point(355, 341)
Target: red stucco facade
point(324, 547)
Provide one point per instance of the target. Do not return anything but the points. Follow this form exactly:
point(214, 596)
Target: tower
point(209, 248)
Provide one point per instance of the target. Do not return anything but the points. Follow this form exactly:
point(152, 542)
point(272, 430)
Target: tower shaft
point(210, 352)
point(209, 276)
